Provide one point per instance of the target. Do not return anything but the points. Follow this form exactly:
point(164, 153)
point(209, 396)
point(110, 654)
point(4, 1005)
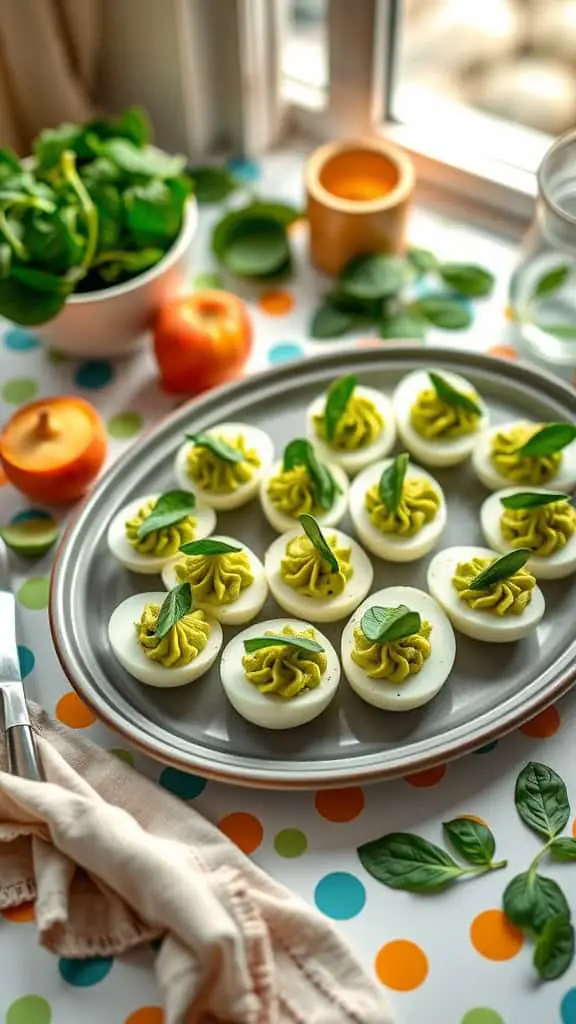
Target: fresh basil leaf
point(550, 439)
point(530, 900)
point(301, 453)
point(51, 143)
point(153, 210)
point(177, 604)
point(422, 260)
point(402, 860)
point(402, 325)
point(170, 508)
point(384, 625)
point(450, 395)
point(339, 394)
point(372, 276)
point(541, 799)
point(330, 322)
point(444, 312)
point(467, 278)
point(391, 482)
point(219, 448)
point(302, 643)
point(551, 281)
point(554, 949)
point(563, 848)
point(532, 499)
point(122, 263)
point(133, 124)
point(501, 568)
point(212, 183)
point(208, 546)
point(132, 159)
point(471, 839)
point(314, 533)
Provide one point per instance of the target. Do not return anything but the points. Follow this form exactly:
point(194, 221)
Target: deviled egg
point(542, 520)
point(184, 653)
point(140, 547)
point(279, 685)
point(351, 425)
point(412, 529)
point(227, 579)
point(499, 461)
point(225, 464)
point(301, 483)
point(500, 612)
point(439, 416)
point(407, 654)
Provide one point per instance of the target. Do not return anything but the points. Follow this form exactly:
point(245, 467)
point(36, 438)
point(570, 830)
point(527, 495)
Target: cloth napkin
point(113, 861)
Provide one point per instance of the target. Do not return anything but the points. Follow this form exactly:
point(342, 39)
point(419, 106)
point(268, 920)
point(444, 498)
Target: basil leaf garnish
point(563, 848)
point(177, 604)
point(170, 508)
point(548, 440)
point(392, 482)
point(383, 625)
point(208, 546)
point(451, 396)
point(402, 860)
point(301, 453)
point(314, 533)
point(530, 900)
point(554, 948)
point(471, 839)
point(532, 499)
point(302, 643)
point(339, 394)
point(223, 450)
point(541, 799)
point(501, 568)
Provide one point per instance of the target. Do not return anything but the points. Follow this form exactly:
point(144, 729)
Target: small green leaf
point(403, 325)
point(467, 278)
point(551, 281)
point(563, 848)
point(450, 395)
point(212, 183)
point(314, 533)
point(301, 453)
point(391, 482)
point(221, 449)
point(402, 860)
point(372, 276)
point(384, 625)
point(330, 322)
point(532, 499)
point(302, 643)
point(170, 508)
point(471, 839)
point(339, 394)
point(208, 546)
point(541, 799)
point(554, 950)
point(501, 568)
point(530, 900)
point(177, 604)
point(422, 260)
point(448, 314)
point(548, 440)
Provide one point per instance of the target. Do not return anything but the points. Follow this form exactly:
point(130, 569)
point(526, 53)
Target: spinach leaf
point(26, 305)
point(402, 325)
point(372, 276)
point(153, 210)
point(130, 158)
point(213, 183)
point(329, 321)
point(422, 260)
point(442, 311)
point(467, 278)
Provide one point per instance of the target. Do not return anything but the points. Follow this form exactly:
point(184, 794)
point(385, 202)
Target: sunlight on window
point(304, 50)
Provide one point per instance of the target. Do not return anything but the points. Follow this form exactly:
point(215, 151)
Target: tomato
point(201, 340)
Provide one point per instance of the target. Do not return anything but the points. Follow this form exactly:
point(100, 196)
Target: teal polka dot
point(187, 787)
point(83, 973)
point(18, 340)
point(26, 659)
point(29, 1010)
point(26, 514)
point(340, 895)
point(94, 374)
point(487, 747)
point(246, 170)
point(19, 389)
point(568, 1007)
point(284, 352)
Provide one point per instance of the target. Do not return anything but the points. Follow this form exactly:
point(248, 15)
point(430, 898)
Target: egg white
point(149, 564)
point(480, 625)
point(562, 563)
point(426, 684)
point(433, 452)
point(125, 646)
point(353, 461)
point(564, 479)
point(319, 609)
point(254, 438)
point(391, 546)
point(251, 599)
point(266, 709)
point(280, 522)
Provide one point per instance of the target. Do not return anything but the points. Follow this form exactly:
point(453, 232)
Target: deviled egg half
point(149, 531)
point(228, 580)
point(280, 673)
point(499, 608)
point(301, 483)
point(542, 520)
point(439, 416)
point(398, 510)
point(351, 425)
point(527, 454)
point(163, 652)
point(398, 649)
point(225, 464)
point(318, 576)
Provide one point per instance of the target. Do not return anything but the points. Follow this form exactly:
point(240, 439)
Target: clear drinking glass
point(543, 286)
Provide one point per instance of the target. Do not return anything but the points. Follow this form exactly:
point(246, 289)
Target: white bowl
point(114, 321)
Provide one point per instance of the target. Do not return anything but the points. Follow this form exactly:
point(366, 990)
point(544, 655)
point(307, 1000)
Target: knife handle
point(22, 755)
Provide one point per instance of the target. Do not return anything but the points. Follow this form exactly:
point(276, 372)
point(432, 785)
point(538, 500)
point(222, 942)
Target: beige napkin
point(114, 861)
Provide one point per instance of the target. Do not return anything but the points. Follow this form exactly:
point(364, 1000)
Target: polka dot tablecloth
point(448, 959)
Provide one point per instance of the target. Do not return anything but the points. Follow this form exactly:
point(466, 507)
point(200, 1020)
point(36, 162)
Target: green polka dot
point(482, 1015)
point(290, 842)
point(19, 389)
point(29, 1010)
point(124, 425)
point(56, 358)
point(208, 279)
point(123, 755)
point(33, 593)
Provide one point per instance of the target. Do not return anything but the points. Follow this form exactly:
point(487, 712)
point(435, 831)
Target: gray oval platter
point(492, 689)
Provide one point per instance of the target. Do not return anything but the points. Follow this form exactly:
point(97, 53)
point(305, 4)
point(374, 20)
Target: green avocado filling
point(394, 661)
point(418, 505)
point(545, 530)
point(165, 542)
point(360, 424)
point(434, 418)
point(211, 473)
point(304, 569)
point(292, 491)
point(522, 469)
point(285, 671)
point(509, 596)
point(215, 579)
point(182, 643)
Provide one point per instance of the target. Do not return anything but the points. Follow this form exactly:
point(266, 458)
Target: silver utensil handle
point(22, 754)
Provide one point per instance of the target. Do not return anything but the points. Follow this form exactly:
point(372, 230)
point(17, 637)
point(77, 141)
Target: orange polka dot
point(23, 912)
point(340, 804)
point(494, 936)
point(72, 711)
point(430, 777)
point(543, 725)
point(401, 965)
point(243, 829)
point(146, 1015)
point(276, 303)
point(503, 352)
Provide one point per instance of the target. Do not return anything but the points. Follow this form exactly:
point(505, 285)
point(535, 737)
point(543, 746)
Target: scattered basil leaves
point(310, 526)
point(301, 643)
point(219, 448)
point(385, 625)
point(467, 278)
point(471, 839)
point(548, 440)
point(563, 848)
point(449, 394)
point(443, 311)
point(501, 568)
point(530, 900)
point(213, 183)
point(372, 276)
point(551, 281)
point(391, 482)
point(209, 546)
point(405, 861)
point(554, 950)
point(169, 509)
point(329, 321)
point(339, 394)
point(300, 452)
point(422, 260)
point(403, 324)
point(532, 499)
point(541, 799)
point(176, 604)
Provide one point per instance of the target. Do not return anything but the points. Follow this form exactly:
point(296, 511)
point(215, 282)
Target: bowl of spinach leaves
point(96, 230)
